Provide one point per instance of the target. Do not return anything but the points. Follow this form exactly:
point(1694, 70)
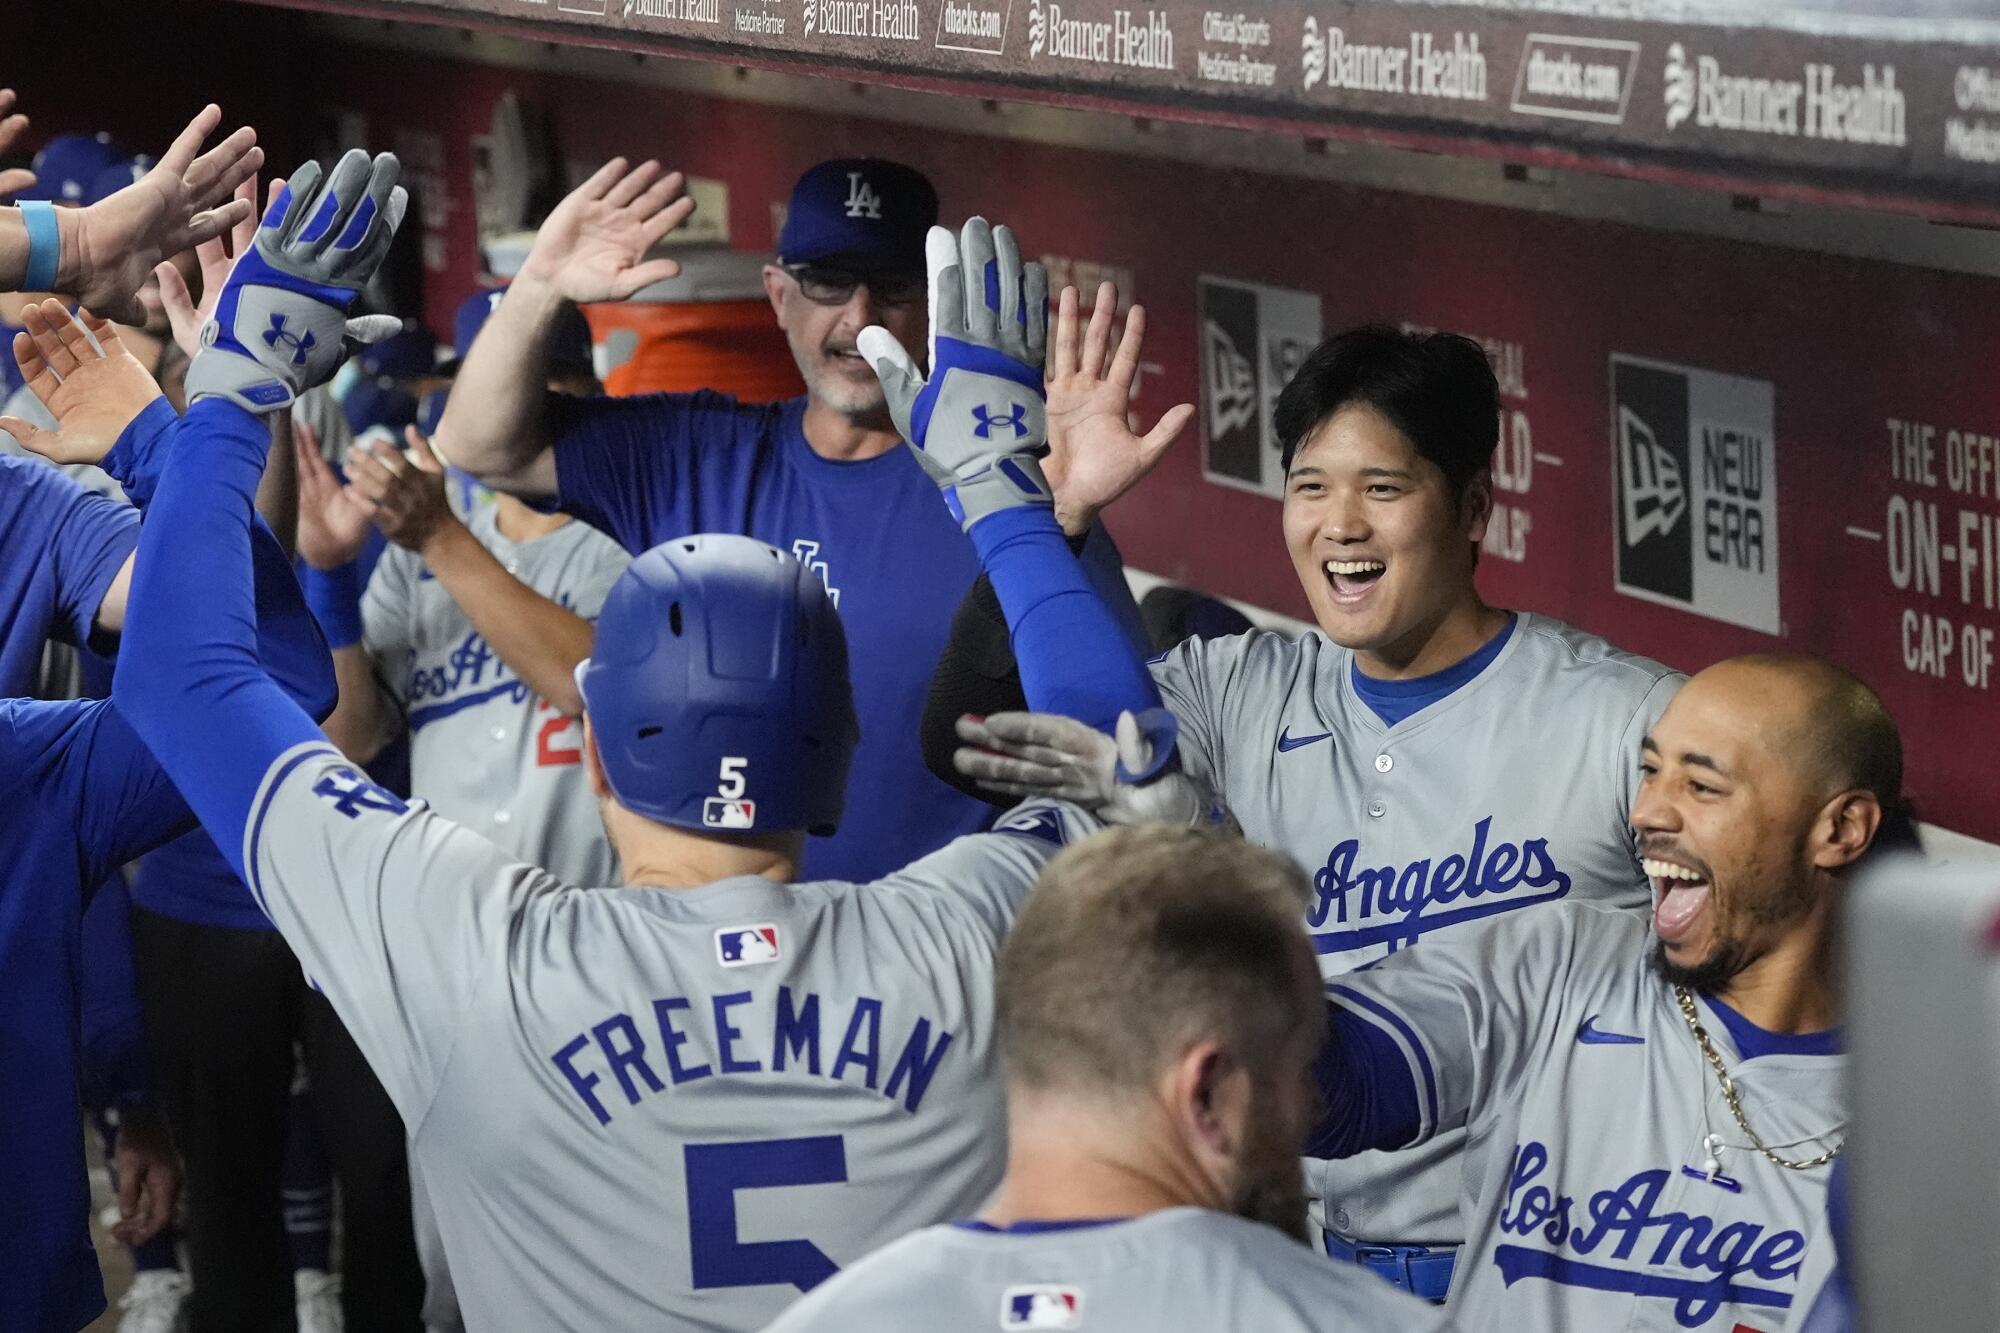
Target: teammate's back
point(715, 1097)
point(1180, 1268)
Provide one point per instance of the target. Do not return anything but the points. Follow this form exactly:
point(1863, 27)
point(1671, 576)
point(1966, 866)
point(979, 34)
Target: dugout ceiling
point(1891, 103)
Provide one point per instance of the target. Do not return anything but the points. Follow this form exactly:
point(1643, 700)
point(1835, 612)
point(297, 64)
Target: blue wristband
point(44, 245)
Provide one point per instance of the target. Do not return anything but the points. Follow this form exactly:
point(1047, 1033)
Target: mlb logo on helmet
point(1041, 1306)
point(743, 946)
point(726, 813)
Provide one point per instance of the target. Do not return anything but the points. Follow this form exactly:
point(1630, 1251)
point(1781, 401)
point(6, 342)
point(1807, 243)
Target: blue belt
point(1417, 1269)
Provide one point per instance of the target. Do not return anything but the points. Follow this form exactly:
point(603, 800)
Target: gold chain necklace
point(1730, 1096)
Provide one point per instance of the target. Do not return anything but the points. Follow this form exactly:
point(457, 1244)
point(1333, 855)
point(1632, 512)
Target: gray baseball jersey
point(1510, 792)
point(1589, 1108)
point(1183, 1268)
point(650, 1108)
point(485, 750)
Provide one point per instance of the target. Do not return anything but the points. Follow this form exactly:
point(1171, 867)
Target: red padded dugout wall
point(1846, 347)
point(1879, 538)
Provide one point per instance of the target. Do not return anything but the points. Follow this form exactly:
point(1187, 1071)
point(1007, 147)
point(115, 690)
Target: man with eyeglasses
point(819, 476)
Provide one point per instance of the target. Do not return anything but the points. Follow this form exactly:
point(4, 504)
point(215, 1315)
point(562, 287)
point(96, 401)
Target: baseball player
point(1159, 1013)
point(468, 633)
point(83, 796)
point(1652, 1112)
point(820, 476)
point(720, 1087)
point(1435, 761)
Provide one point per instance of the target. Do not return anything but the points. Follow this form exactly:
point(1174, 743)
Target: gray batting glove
point(979, 423)
point(1122, 780)
point(281, 325)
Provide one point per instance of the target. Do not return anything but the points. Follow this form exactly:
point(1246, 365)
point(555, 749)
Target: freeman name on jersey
point(727, 1035)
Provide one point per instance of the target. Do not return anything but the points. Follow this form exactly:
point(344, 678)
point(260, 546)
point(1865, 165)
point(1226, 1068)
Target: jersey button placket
point(1383, 763)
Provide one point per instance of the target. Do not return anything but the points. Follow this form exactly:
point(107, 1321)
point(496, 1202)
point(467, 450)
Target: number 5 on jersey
point(729, 808)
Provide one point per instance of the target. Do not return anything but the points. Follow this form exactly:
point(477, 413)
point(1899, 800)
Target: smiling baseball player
point(1435, 762)
point(677, 1104)
point(1652, 1112)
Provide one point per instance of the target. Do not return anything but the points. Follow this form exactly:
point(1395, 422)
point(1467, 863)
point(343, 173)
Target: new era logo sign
point(1652, 490)
point(728, 813)
point(863, 200)
point(746, 946)
point(1043, 1306)
point(1695, 454)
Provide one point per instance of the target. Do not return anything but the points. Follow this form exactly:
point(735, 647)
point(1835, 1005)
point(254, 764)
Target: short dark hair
point(1436, 388)
point(1141, 940)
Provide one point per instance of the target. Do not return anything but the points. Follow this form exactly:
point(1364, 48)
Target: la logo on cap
point(863, 201)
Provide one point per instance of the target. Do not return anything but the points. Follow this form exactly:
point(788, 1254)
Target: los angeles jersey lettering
point(1509, 793)
point(1586, 1180)
point(484, 750)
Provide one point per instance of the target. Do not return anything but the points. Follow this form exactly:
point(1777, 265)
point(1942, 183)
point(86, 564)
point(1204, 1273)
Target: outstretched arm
point(979, 424)
point(101, 255)
point(398, 915)
point(592, 248)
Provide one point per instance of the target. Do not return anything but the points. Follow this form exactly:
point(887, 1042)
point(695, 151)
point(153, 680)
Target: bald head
point(1820, 721)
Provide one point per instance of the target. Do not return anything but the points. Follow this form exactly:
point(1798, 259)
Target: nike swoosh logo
point(1288, 743)
point(1591, 1035)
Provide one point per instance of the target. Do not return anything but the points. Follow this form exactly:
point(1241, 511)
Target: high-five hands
point(1094, 456)
point(184, 314)
point(93, 392)
point(1124, 779)
point(281, 326)
point(593, 245)
point(979, 423)
point(333, 525)
point(402, 490)
point(109, 248)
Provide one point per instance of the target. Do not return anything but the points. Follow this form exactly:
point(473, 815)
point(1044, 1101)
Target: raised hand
point(109, 248)
point(215, 258)
point(12, 127)
point(333, 527)
point(978, 422)
point(404, 493)
point(593, 245)
point(1094, 456)
point(93, 392)
point(281, 325)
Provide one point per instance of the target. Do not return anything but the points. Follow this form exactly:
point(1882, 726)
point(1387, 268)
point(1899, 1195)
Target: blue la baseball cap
point(569, 340)
point(861, 213)
point(68, 166)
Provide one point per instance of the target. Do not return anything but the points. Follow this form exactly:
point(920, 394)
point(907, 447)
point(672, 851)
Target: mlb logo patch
point(1041, 1306)
point(727, 813)
point(743, 946)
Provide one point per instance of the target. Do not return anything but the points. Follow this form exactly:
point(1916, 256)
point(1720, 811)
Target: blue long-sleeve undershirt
point(190, 679)
point(1074, 657)
point(1367, 1091)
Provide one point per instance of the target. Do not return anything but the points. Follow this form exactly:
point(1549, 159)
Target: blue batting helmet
point(717, 690)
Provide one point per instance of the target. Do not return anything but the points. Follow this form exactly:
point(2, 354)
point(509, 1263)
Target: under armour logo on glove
point(281, 324)
point(1015, 420)
point(989, 334)
point(277, 336)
